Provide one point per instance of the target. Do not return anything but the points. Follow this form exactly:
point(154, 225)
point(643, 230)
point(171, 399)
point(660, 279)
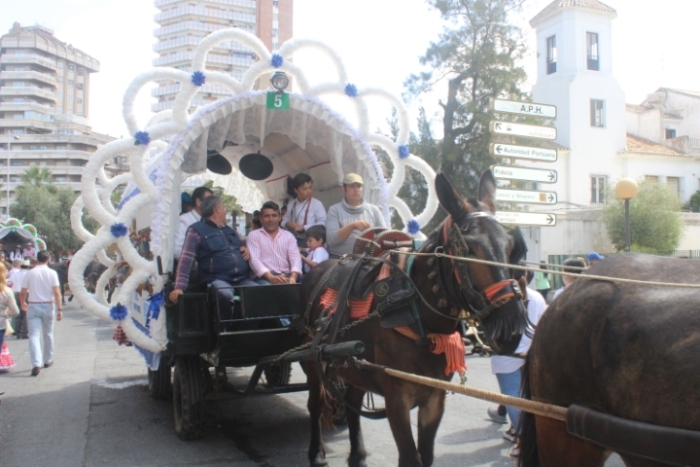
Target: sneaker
point(511, 435)
point(515, 451)
point(495, 416)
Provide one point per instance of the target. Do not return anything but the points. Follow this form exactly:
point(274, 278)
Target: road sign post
point(522, 152)
point(522, 173)
point(519, 129)
point(523, 108)
point(524, 196)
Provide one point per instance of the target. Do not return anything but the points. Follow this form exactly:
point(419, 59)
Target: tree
point(692, 205)
point(655, 224)
point(230, 202)
point(477, 54)
point(37, 176)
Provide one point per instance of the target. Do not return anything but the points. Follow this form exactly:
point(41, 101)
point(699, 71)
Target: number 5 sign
point(277, 100)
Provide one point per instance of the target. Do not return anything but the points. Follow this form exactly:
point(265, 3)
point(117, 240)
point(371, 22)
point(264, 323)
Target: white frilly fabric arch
point(154, 180)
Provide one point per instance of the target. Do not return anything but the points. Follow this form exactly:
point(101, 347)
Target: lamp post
point(10, 137)
point(626, 188)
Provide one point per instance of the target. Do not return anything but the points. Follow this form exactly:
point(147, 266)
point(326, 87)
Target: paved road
point(92, 409)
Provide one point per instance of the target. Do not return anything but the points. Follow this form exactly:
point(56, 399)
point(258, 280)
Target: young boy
point(315, 240)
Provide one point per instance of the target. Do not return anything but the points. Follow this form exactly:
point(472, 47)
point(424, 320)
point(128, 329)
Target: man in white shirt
point(189, 218)
point(15, 278)
point(40, 291)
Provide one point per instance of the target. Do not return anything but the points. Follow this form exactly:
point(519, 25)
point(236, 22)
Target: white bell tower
point(575, 73)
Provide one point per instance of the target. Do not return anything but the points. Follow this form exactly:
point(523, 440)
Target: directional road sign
point(518, 129)
point(523, 108)
point(522, 196)
point(521, 173)
point(526, 218)
point(522, 152)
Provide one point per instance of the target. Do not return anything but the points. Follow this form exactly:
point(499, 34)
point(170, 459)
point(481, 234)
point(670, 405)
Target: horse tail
point(529, 456)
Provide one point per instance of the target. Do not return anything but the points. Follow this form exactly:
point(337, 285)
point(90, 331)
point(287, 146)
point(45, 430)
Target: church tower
point(575, 73)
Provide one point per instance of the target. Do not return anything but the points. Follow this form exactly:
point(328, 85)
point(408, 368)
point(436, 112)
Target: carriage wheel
point(188, 398)
point(278, 374)
point(159, 384)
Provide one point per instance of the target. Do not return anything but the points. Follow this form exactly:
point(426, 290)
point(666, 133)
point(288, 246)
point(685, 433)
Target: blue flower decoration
point(350, 90)
point(198, 78)
point(142, 137)
point(118, 312)
point(119, 230)
point(403, 151)
point(277, 60)
point(157, 300)
point(413, 227)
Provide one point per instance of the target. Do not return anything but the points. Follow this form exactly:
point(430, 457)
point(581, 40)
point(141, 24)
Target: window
point(70, 82)
point(599, 184)
point(59, 79)
point(597, 113)
point(674, 184)
point(670, 133)
point(71, 68)
point(18, 84)
point(60, 64)
point(551, 55)
point(275, 3)
point(592, 49)
point(651, 178)
point(81, 71)
point(79, 100)
point(79, 85)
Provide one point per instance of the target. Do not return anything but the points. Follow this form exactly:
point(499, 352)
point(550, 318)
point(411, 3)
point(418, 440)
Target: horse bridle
point(480, 303)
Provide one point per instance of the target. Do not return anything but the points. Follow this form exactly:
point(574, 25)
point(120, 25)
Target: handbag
point(9, 330)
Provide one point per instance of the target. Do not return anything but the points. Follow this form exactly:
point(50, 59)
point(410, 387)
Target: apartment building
point(183, 24)
point(44, 103)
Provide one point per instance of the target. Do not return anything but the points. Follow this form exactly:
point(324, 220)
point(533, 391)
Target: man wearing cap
point(594, 257)
point(189, 218)
point(347, 219)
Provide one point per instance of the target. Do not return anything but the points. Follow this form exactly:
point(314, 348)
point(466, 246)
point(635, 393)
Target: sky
point(380, 42)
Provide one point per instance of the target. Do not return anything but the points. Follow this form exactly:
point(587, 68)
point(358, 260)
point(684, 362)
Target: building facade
point(44, 103)
point(603, 138)
point(183, 24)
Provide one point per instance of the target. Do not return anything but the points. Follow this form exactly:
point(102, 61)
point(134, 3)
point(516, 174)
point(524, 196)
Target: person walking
point(8, 309)
point(15, 279)
point(40, 291)
point(542, 280)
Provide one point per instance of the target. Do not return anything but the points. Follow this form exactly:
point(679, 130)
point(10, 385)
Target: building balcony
point(168, 105)
point(45, 155)
point(24, 106)
point(241, 3)
point(29, 76)
point(28, 91)
point(193, 41)
point(32, 123)
point(685, 144)
point(93, 140)
point(173, 89)
point(188, 12)
point(31, 59)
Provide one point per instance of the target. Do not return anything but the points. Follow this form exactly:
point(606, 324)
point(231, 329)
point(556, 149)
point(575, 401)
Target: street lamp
point(626, 188)
point(10, 137)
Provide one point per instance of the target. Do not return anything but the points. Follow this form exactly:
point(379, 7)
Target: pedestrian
point(8, 309)
point(572, 266)
point(316, 241)
point(594, 257)
point(304, 211)
point(40, 292)
point(349, 218)
point(543, 280)
point(15, 279)
point(29, 251)
point(508, 370)
point(16, 253)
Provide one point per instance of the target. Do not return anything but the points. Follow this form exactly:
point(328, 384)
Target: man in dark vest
point(219, 252)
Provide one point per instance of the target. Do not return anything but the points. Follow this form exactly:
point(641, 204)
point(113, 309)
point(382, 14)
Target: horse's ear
point(487, 190)
point(450, 200)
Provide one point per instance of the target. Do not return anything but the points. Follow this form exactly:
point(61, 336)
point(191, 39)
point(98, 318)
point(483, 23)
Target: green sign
point(277, 100)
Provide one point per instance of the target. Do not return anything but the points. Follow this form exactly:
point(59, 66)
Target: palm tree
point(37, 176)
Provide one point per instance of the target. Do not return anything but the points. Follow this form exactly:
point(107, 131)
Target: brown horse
point(447, 287)
point(623, 350)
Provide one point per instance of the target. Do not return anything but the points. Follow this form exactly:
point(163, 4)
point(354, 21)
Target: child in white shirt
point(315, 240)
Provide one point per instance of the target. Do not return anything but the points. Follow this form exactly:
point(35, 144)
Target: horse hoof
point(319, 461)
point(357, 461)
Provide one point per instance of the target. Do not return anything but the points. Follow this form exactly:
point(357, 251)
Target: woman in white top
point(305, 211)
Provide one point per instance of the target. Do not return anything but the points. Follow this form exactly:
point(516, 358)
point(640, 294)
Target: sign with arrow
point(523, 196)
point(522, 152)
point(518, 129)
point(521, 173)
point(526, 218)
point(523, 108)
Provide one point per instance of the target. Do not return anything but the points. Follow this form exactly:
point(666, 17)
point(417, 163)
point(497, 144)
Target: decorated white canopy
point(307, 137)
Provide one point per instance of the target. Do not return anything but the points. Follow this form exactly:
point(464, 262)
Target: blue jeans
point(40, 318)
point(510, 386)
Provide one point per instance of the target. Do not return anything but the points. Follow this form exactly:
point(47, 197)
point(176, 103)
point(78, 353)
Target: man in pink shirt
point(274, 255)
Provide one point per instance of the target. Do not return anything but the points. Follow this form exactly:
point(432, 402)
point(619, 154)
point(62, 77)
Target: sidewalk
point(44, 419)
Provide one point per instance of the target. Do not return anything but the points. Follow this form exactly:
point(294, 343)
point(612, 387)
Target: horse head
point(488, 294)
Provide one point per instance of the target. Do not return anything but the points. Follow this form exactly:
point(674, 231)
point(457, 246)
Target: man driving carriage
point(217, 248)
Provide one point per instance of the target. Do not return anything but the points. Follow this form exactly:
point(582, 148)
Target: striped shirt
point(279, 255)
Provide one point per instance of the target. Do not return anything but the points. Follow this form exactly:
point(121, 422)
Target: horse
point(625, 351)
point(445, 286)
point(62, 272)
